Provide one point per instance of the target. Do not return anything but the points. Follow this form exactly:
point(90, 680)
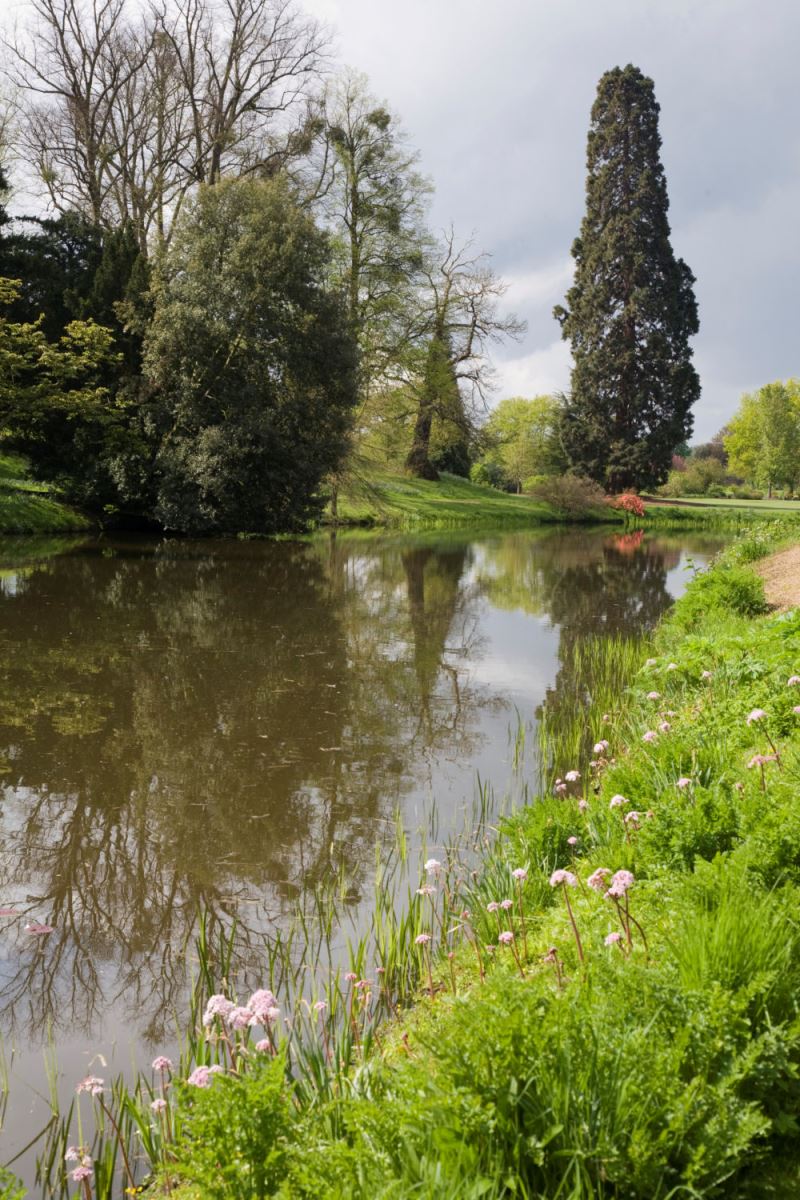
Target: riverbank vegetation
point(29, 507)
point(602, 1001)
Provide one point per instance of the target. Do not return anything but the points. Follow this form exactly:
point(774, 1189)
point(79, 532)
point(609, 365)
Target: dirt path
point(781, 575)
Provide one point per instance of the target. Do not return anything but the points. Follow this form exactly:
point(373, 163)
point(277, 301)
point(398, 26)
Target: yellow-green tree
point(763, 442)
point(53, 405)
point(523, 434)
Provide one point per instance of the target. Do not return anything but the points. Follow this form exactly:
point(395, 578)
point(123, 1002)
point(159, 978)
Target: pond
point(223, 725)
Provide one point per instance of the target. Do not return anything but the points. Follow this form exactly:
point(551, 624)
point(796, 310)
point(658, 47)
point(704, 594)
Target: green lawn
point(28, 507)
point(725, 502)
point(399, 500)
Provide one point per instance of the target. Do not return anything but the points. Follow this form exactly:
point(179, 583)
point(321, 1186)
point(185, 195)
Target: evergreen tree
point(631, 310)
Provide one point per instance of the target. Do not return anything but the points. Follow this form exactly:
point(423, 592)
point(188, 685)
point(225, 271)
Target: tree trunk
point(418, 462)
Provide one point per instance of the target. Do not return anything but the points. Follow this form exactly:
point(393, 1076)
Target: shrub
point(571, 494)
point(630, 503)
point(733, 589)
point(489, 474)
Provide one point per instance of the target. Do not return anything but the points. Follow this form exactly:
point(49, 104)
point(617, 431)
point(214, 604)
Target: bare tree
point(246, 67)
point(461, 319)
point(120, 118)
point(71, 69)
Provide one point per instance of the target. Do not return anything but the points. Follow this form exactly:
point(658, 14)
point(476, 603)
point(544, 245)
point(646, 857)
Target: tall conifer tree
point(631, 309)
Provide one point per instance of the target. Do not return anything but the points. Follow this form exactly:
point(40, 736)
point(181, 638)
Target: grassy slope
point(758, 506)
point(26, 507)
point(400, 500)
point(653, 1071)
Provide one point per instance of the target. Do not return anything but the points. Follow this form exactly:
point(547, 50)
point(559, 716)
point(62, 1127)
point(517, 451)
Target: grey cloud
point(497, 98)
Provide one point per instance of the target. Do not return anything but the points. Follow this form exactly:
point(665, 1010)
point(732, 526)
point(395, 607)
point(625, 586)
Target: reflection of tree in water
point(589, 584)
point(616, 588)
point(207, 725)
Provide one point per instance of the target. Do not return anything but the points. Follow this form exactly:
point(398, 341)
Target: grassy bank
point(28, 507)
point(404, 502)
point(401, 502)
point(606, 1007)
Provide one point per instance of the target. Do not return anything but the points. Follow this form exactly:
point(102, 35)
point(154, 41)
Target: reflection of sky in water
point(250, 715)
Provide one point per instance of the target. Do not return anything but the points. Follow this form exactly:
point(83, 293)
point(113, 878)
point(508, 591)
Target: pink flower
point(506, 904)
point(506, 937)
point(617, 801)
point(200, 1077)
point(632, 818)
point(8, 912)
point(162, 1064)
point(760, 760)
point(665, 727)
point(793, 681)
point(433, 866)
point(217, 1006)
point(427, 889)
point(651, 662)
point(560, 789)
point(492, 906)
point(319, 1006)
point(350, 977)
point(551, 956)
point(683, 782)
point(650, 736)
point(613, 938)
point(600, 747)
point(90, 1084)
point(520, 874)
point(757, 714)
point(597, 880)
point(422, 939)
point(158, 1106)
point(263, 1046)
point(606, 717)
point(654, 695)
point(572, 776)
point(35, 927)
point(73, 1154)
point(263, 1006)
point(672, 666)
point(572, 841)
point(559, 877)
point(583, 805)
point(707, 675)
point(241, 1018)
point(796, 709)
point(620, 884)
point(81, 1173)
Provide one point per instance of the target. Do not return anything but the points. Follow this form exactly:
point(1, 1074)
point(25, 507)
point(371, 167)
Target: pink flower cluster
point(261, 1009)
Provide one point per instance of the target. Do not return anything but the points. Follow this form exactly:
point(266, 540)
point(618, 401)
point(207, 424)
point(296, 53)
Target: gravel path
point(781, 575)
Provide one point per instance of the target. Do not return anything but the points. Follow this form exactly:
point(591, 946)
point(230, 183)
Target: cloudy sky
point(497, 98)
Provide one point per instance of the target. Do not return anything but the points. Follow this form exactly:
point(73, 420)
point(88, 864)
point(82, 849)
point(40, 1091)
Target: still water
point(222, 724)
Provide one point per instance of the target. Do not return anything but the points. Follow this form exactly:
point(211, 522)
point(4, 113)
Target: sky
point(497, 97)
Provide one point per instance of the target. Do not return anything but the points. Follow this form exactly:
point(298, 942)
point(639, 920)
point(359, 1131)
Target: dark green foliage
point(251, 365)
point(56, 261)
point(631, 310)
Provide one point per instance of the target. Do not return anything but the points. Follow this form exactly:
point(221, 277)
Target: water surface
point(225, 724)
